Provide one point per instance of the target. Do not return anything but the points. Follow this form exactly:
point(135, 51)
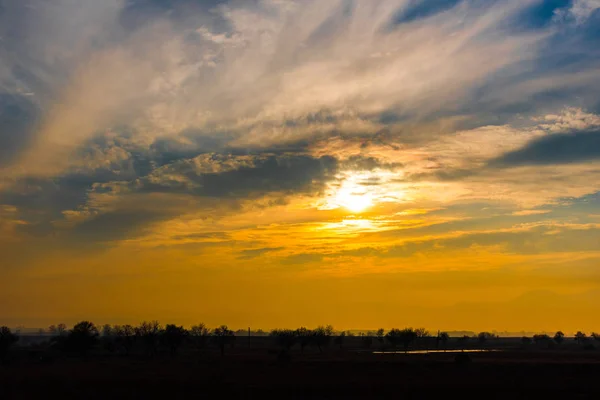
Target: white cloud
point(279, 61)
point(579, 11)
point(571, 118)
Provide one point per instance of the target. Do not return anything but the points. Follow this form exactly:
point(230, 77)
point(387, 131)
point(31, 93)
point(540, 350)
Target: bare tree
point(125, 337)
point(380, 336)
point(444, 337)
point(108, 337)
point(484, 337)
point(149, 333)
point(199, 334)
point(173, 337)
point(223, 336)
point(57, 330)
point(107, 330)
point(462, 341)
point(421, 332)
point(401, 336)
point(321, 336)
point(303, 336)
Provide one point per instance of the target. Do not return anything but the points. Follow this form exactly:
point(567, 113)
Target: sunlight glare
point(352, 193)
point(358, 191)
point(353, 199)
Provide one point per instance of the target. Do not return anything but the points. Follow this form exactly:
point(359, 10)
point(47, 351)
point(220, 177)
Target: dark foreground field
point(247, 374)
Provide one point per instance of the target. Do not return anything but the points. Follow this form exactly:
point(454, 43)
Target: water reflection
point(437, 351)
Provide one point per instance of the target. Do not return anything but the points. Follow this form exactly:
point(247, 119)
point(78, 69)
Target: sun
point(358, 191)
point(355, 202)
point(352, 195)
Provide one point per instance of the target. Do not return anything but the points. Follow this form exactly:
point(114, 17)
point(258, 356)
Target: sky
point(285, 163)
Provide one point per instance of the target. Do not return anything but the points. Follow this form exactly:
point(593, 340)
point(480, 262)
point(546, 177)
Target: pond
point(451, 351)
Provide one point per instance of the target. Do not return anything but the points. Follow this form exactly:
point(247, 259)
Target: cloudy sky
point(263, 163)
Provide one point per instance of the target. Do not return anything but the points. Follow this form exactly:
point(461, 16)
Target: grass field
point(259, 373)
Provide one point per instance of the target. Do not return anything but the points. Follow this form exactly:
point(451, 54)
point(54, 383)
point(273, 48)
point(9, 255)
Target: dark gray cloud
point(115, 225)
point(38, 197)
point(367, 163)
point(253, 253)
point(422, 9)
point(266, 174)
point(204, 235)
point(302, 258)
point(41, 201)
point(138, 13)
point(18, 119)
point(554, 149)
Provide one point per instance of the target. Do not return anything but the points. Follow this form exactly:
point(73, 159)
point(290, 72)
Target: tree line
point(150, 335)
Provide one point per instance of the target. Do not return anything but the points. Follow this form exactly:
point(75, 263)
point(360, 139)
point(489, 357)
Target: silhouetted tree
point(58, 330)
point(484, 337)
point(149, 333)
point(199, 335)
point(541, 339)
point(596, 336)
point(559, 337)
point(580, 337)
point(107, 330)
point(380, 336)
point(303, 336)
point(125, 337)
point(108, 338)
point(462, 341)
point(173, 337)
point(321, 336)
point(284, 338)
point(421, 333)
point(82, 338)
point(223, 336)
point(444, 337)
point(7, 339)
point(58, 337)
point(401, 336)
point(393, 336)
point(339, 339)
